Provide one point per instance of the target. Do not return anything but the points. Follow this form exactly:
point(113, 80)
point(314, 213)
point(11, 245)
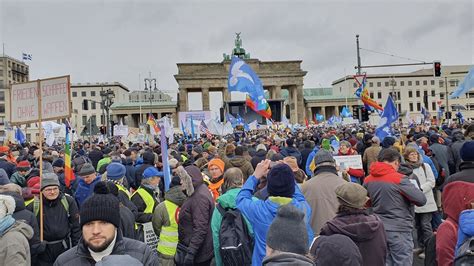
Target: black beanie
point(281, 181)
point(101, 206)
point(287, 232)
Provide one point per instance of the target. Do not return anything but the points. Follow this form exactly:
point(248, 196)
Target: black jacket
point(130, 173)
point(8, 167)
point(465, 174)
point(95, 155)
point(80, 255)
point(259, 156)
point(127, 222)
point(304, 157)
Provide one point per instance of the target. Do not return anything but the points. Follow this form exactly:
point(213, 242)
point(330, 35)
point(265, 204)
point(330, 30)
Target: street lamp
point(148, 85)
point(107, 101)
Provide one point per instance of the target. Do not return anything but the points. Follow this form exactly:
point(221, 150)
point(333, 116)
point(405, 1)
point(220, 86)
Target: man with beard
point(101, 235)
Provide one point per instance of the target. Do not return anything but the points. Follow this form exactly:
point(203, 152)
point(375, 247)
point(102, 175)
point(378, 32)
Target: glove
point(189, 259)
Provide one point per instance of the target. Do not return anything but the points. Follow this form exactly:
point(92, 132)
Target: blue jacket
point(261, 213)
point(466, 228)
point(308, 171)
point(84, 190)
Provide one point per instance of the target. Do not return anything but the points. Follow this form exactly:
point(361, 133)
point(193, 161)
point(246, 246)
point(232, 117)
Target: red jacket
point(359, 173)
point(456, 198)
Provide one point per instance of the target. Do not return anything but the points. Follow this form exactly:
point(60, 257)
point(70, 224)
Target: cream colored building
point(411, 87)
point(11, 71)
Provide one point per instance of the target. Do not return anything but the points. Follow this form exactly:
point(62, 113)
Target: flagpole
point(40, 116)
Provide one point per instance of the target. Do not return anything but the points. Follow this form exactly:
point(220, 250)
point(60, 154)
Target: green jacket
point(227, 200)
point(103, 161)
point(19, 179)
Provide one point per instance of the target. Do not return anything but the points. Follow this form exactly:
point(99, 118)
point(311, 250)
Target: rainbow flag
point(363, 93)
point(68, 173)
point(267, 112)
point(152, 123)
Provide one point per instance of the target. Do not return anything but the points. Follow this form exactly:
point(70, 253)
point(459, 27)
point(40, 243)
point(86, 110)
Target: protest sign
point(350, 161)
point(53, 93)
point(120, 130)
point(149, 236)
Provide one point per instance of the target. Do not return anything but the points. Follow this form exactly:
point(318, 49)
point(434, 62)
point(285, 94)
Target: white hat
point(7, 205)
point(261, 147)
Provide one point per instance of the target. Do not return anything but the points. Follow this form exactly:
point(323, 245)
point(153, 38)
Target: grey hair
point(233, 178)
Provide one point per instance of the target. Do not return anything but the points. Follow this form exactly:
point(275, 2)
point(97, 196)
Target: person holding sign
point(356, 175)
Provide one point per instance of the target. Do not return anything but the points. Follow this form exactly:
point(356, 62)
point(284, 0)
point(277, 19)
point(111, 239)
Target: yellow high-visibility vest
point(147, 198)
point(169, 234)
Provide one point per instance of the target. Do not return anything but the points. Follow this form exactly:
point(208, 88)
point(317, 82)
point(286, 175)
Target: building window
point(74, 94)
point(425, 82)
point(418, 106)
point(410, 83)
point(402, 83)
point(433, 93)
point(92, 93)
point(398, 95)
point(432, 82)
point(93, 120)
point(410, 94)
point(2, 108)
point(399, 107)
point(102, 119)
point(441, 96)
point(379, 95)
point(84, 120)
point(470, 95)
point(418, 94)
point(411, 107)
point(2, 96)
point(433, 106)
point(371, 96)
point(417, 83)
point(441, 83)
point(83, 93)
point(371, 84)
point(379, 84)
point(453, 82)
point(386, 83)
point(93, 105)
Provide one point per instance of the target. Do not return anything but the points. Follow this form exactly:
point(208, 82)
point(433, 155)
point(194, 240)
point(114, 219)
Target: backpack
point(78, 162)
point(465, 253)
point(235, 242)
point(64, 202)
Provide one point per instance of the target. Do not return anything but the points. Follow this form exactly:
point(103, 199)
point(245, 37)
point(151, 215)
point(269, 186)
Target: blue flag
point(192, 128)
point(389, 115)
point(231, 119)
point(164, 154)
point(465, 86)
point(242, 78)
point(424, 113)
point(183, 128)
point(345, 112)
point(27, 56)
point(460, 117)
point(19, 136)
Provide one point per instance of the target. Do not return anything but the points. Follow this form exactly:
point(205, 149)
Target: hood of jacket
point(379, 169)
point(19, 201)
point(292, 151)
point(195, 174)
point(286, 258)
point(175, 195)
point(227, 200)
point(466, 222)
point(261, 153)
point(21, 227)
point(457, 196)
point(358, 226)
point(238, 161)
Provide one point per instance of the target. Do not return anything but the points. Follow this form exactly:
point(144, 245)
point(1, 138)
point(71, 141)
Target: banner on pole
point(55, 100)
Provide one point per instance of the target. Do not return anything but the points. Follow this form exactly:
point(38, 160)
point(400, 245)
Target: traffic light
point(365, 114)
point(355, 111)
point(437, 68)
point(448, 115)
point(103, 130)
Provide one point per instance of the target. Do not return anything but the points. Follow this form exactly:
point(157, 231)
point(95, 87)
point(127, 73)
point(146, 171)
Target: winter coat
point(441, 153)
point(456, 196)
point(18, 179)
point(143, 217)
point(242, 163)
point(455, 150)
point(127, 223)
point(102, 164)
point(304, 157)
point(365, 230)
point(83, 190)
point(392, 196)
point(130, 173)
point(14, 249)
point(22, 214)
point(259, 156)
point(292, 151)
point(466, 227)
point(194, 226)
point(466, 173)
point(427, 183)
point(320, 193)
point(95, 156)
point(227, 201)
point(59, 224)
point(370, 155)
point(8, 167)
point(260, 214)
point(286, 258)
point(80, 255)
point(148, 160)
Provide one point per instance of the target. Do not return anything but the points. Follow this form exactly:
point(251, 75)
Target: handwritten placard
point(350, 161)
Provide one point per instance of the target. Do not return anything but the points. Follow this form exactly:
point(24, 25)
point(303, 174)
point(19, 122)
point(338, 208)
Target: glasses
point(49, 190)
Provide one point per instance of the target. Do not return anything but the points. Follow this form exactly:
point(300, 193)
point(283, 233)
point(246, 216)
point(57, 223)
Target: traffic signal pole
point(358, 71)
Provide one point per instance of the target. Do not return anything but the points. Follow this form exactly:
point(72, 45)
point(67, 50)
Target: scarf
point(414, 165)
point(325, 168)
point(98, 256)
point(5, 223)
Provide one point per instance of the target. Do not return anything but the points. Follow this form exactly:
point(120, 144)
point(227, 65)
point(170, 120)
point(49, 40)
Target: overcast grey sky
point(97, 41)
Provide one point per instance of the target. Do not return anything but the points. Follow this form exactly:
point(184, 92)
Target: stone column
point(276, 92)
point(205, 98)
point(300, 109)
point(293, 104)
point(183, 99)
point(225, 94)
point(323, 112)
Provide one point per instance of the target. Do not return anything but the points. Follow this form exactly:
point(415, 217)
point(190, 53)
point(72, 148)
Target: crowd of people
point(265, 197)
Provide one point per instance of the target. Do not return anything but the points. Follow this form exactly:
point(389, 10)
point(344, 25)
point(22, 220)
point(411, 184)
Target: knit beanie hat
point(115, 171)
point(336, 249)
point(48, 180)
point(23, 166)
point(101, 206)
point(86, 169)
point(4, 177)
point(467, 151)
point(326, 144)
point(352, 195)
point(7, 205)
point(216, 162)
point(58, 163)
point(175, 181)
point(151, 172)
point(281, 181)
point(323, 156)
point(287, 232)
